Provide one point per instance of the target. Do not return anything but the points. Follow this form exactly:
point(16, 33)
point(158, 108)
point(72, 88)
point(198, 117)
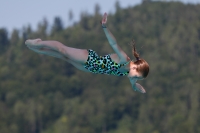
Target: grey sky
point(19, 13)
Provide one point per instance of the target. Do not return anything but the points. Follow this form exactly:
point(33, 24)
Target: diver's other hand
point(139, 88)
point(104, 19)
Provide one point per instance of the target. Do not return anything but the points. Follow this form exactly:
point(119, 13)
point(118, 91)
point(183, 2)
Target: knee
point(61, 47)
point(62, 50)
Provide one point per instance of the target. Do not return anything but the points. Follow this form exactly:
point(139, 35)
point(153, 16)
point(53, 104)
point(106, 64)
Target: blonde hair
point(142, 65)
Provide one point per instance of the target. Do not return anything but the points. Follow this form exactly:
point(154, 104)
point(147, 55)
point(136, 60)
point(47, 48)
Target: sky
point(15, 14)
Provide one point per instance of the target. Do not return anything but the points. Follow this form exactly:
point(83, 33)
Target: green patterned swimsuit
point(103, 64)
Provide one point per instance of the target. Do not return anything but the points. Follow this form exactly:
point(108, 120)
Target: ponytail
point(142, 65)
point(136, 55)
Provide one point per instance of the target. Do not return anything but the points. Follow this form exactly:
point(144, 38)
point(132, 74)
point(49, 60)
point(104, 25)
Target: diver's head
point(139, 69)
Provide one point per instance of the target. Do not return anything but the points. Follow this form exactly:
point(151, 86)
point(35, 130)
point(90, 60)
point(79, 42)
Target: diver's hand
point(139, 88)
point(104, 19)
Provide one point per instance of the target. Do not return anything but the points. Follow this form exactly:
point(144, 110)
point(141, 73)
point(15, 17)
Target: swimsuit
point(103, 64)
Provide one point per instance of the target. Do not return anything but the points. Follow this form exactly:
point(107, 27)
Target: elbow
point(113, 43)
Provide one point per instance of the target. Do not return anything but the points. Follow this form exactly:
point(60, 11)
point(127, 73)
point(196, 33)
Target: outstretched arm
point(112, 41)
point(136, 86)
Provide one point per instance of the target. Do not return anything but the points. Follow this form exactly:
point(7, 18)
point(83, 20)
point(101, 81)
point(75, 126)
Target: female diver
point(118, 64)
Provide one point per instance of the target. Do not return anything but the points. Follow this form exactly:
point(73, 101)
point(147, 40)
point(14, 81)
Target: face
point(133, 73)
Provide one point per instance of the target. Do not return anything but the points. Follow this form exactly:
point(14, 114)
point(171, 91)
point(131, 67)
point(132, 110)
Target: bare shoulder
point(116, 59)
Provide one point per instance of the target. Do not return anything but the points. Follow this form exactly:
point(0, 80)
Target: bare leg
point(47, 51)
point(53, 53)
point(76, 55)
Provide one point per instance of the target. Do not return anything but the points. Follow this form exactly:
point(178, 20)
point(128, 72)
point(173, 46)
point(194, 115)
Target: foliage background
point(41, 94)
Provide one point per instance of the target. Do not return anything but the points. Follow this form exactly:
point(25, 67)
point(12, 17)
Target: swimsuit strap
point(121, 64)
point(125, 63)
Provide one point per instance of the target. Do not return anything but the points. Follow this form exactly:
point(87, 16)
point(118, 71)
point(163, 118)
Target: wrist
point(103, 26)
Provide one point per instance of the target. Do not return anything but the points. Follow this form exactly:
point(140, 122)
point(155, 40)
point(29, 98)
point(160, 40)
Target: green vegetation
point(41, 94)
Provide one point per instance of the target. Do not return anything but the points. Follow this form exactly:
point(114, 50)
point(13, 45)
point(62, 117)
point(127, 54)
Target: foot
point(32, 41)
